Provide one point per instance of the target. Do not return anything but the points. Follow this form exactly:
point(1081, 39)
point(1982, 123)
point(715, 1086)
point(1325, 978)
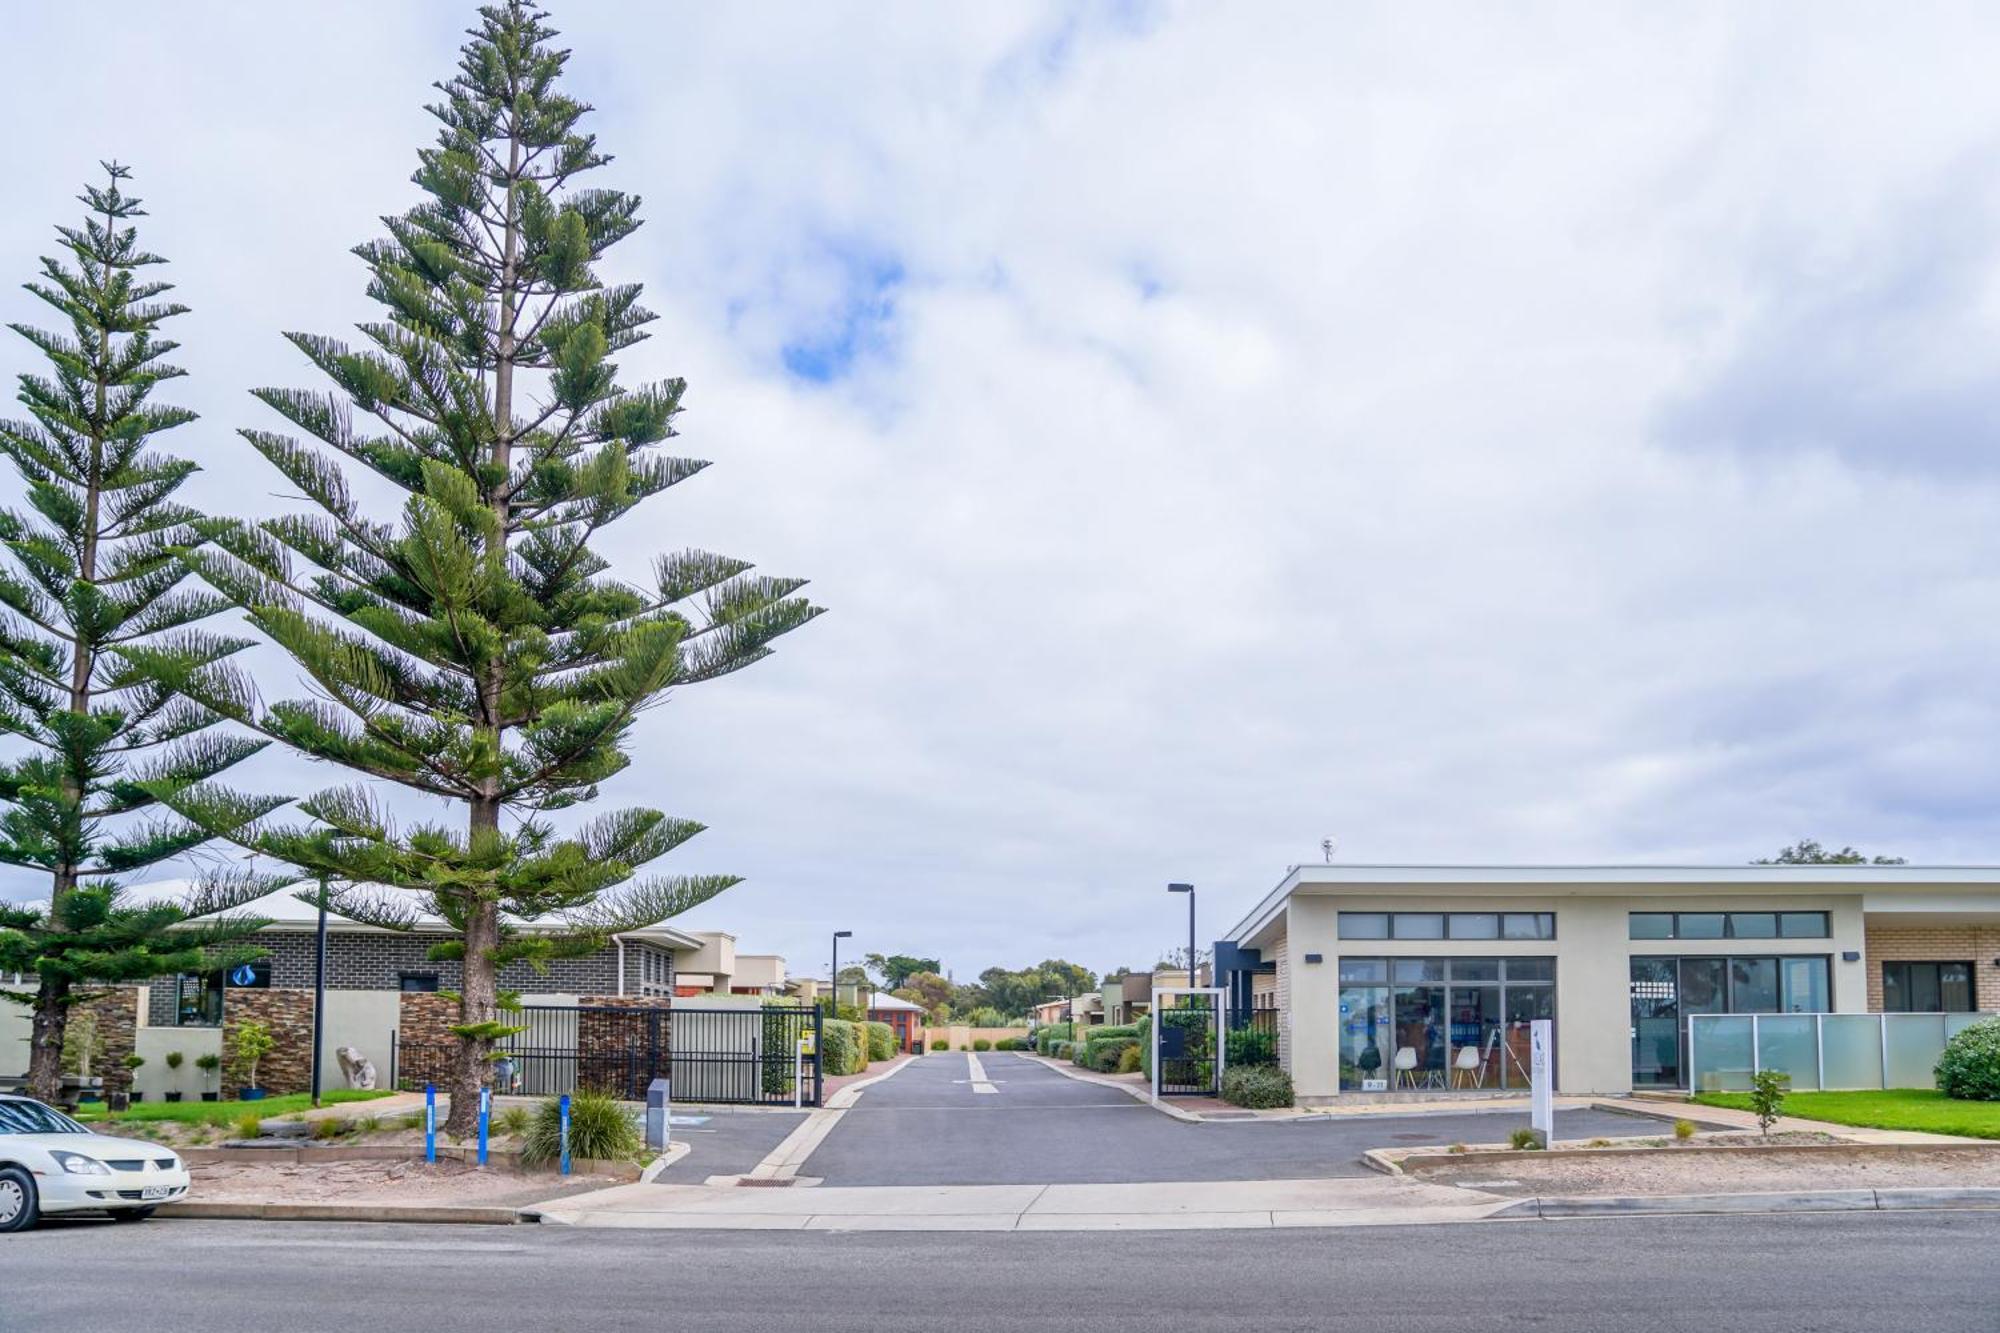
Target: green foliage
point(134, 1060)
point(1526, 1139)
point(249, 1124)
point(1767, 1096)
point(1129, 1059)
point(1969, 1068)
point(599, 1130)
point(1111, 1030)
point(1257, 1086)
point(94, 626)
point(1107, 1054)
point(1062, 1050)
point(1252, 1046)
point(881, 1041)
point(930, 990)
point(175, 1059)
point(208, 1061)
point(1806, 852)
point(981, 1044)
point(475, 648)
point(249, 1043)
point(513, 1122)
point(1007, 1044)
point(1014, 994)
point(222, 1114)
point(326, 1127)
point(1049, 1034)
point(896, 969)
point(940, 1044)
point(842, 1050)
point(1683, 1130)
point(1923, 1109)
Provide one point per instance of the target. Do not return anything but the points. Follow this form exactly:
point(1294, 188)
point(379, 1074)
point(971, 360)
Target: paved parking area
point(727, 1142)
point(929, 1126)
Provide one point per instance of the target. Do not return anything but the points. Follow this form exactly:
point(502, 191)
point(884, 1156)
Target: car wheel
point(130, 1214)
point(18, 1207)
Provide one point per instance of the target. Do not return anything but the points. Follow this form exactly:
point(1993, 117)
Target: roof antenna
point(1327, 847)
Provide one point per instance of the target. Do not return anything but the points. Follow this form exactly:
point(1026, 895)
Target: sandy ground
point(380, 1182)
point(1668, 1172)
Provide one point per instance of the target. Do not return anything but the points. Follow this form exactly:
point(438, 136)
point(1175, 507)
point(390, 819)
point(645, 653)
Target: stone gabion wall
point(614, 1039)
point(289, 1015)
point(116, 1014)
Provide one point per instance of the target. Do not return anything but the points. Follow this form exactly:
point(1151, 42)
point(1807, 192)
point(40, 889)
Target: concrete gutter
point(346, 1212)
point(1794, 1201)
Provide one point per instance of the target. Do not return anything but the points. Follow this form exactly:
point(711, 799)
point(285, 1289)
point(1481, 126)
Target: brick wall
point(289, 1015)
point(1978, 945)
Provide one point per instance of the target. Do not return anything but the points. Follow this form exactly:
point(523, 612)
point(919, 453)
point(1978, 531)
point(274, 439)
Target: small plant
point(1683, 1130)
point(208, 1064)
point(981, 1044)
point(1129, 1058)
point(940, 1044)
point(249, 1125)
point(1525, 1139)
point(135, 1060)
point(1767, 1096)
point(1259, 1087)
point(513, 1122)
point(252, 1041)
point(365, 1124)
point(1456, 1148)
point(598, 1129)
point(328, 1128)
point(1598, 1143)
point(175, 1059)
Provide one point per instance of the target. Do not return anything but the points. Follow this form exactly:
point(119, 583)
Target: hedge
point(843, 1052)
point(940, 1044)
point(1113, 1030)
point(881, 1041)
point(1969, 1069)
point(1257, 1086)
point(1061, 1050)
point(1105, 1056)
point(1049, 1034)
point(1007, 1044)
point(1252, 1046)
point(981, 1044)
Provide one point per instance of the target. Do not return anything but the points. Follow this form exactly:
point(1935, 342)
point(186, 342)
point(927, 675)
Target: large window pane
point(1475, 969)
point(1699, 925)
point(1364, 1036)
point(1895, 987)
point(1475, 1036)
point(1528, 925)
point(1364, 925)
point(1753, 925)
point(1753, 985)
point(1652, 925)
point(1923, 989)
point(1475, 925)
point(1530, 969)
point(1419, 925)
point(1954, 987)
point(1364, 969)
point(1805, 985)
point(1704, 986)
point(1523, 1005)
point(1412, 970)
point(1420, 1036)
point(1802, 925)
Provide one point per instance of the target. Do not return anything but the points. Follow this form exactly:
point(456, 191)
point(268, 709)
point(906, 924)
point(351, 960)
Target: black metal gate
point(747, 1056)
point(1187, 1049)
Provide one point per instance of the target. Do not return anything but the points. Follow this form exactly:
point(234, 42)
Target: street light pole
point(1188, 889)
point(319, 988)
point(838, 936)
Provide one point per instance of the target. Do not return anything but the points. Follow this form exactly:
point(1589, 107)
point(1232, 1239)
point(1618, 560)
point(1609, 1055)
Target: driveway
point(724, 1142)
point(931, 1125)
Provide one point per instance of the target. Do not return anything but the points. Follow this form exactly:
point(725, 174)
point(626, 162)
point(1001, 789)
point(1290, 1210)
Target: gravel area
point(1680, 1172)
point(446, 1183)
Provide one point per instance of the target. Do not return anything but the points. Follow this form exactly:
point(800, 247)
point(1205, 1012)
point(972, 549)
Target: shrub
point(1145, 1035)
point(1104, 1055)
point(981, 1044)
point(513, 1122)
point(1128, 1059)
point(940, 1044)
point(841, 1047)
point(1257, 1086)
point(1525, 1139)
point(1049, 1034)
point(1683, 1130)
point(250, 1043)
point(328, 1128)
point(1767, 1096)
point(881, 1042)
point(1114, 1030)
point(1062, 1050)
point(249, 1125)
point(598, 1129)
point(1252, 1046)
point(1969, 1069)
point(1456, 1148)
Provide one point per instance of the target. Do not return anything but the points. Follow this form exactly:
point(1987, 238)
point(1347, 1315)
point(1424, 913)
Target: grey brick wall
point(357, 960)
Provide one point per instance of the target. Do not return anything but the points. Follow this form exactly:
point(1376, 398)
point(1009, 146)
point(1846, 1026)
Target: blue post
point(430, 1122)
point(565, 1133)
point(485, 1113)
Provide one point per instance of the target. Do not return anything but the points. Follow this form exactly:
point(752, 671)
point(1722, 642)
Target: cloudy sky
point(1556, 435)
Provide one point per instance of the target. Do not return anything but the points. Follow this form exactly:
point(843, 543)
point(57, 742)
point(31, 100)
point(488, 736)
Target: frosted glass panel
point(1721, 1056)
point(1915, 1042)
point(1786, 1043)
point(1953, 1022)
point(1853, 1044)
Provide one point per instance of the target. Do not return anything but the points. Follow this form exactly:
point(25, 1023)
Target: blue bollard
point(565, 1133)
point(485, 1114)
point(430, 1122)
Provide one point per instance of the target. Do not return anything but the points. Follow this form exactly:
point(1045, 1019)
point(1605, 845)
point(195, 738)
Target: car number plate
point(154, 1192)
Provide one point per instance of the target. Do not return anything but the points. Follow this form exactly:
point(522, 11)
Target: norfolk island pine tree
point(478, 651)
point(91, 595)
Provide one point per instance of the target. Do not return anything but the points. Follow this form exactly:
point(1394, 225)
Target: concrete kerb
point(346, 1212)
point(1396, 1161)
point(1795, 1201)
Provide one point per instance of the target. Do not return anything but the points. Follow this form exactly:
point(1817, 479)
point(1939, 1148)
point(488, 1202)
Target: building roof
point(1579, 878)
point(884, 1000)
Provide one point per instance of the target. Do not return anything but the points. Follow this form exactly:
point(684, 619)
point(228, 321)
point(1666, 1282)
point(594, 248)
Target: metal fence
point(1819, 1051)
point(747, 1056)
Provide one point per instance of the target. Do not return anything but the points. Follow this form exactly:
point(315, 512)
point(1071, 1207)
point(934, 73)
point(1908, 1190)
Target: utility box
point(659, 1114)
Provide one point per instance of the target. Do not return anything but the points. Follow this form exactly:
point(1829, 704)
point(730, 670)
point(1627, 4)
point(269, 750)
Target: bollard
point(565, 1133)
point(485, 1115)
point(430, 1122)
point(659, 1115)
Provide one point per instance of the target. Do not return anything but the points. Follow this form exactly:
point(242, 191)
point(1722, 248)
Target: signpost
point(805, 1048)
point(565, 1133)
point(1541, 1079)
point(430, 1122)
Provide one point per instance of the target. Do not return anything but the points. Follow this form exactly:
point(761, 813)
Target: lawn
point(1896, 1108)
point(221, 1113)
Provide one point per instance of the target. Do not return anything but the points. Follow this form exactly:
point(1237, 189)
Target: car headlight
point(77, 1164)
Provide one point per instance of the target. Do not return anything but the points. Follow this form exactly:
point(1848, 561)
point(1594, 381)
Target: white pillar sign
point(1541, 1078)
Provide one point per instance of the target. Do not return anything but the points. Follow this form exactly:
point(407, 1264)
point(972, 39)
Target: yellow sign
point(806, 1043)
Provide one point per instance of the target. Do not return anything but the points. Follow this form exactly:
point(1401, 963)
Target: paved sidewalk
point(1234, 1205)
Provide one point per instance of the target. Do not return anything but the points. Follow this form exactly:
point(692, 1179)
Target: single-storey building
point(1394, 979)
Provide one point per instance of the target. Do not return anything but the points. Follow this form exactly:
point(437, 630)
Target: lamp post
point(1188, 889)
point(838, 936)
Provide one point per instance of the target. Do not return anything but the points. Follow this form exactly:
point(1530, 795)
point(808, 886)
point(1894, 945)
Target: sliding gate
point(747, 1056)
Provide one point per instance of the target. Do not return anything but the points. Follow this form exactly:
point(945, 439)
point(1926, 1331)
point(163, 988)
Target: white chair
point(1406, 1066)
point(1469, 1064)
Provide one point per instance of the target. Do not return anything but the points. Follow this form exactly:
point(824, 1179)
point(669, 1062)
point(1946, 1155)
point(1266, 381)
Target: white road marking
point(980, 1083)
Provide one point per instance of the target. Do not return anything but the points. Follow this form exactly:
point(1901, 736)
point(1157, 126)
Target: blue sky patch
point(858, 325)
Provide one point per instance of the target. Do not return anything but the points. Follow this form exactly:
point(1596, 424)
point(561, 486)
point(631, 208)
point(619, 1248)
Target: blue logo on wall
point(243, 975)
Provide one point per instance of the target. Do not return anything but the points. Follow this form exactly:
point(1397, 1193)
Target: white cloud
point(1266, 428)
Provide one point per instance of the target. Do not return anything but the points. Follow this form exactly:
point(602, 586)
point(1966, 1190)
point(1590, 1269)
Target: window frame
point(1780, 918)
point(1936, 966)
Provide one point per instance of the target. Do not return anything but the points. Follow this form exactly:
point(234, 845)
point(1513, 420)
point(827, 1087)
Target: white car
point(51, 1164)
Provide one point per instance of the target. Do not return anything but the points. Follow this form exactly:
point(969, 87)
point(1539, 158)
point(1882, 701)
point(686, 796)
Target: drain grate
point(748, 1183)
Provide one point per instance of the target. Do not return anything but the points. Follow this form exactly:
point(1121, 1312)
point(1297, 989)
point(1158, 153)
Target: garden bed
point(244, 1179)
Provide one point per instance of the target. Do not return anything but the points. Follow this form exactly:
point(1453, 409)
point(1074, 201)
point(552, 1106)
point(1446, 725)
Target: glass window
point(1927, 988)
point(1704, 985)
point(1652, 925)
point(1409, 971)
point(416, 982)
point(1802, 925)
point(1364, 1036)
point(1753, 985)
point(1364, 969)
point(198, 1000)
point(1528, 926)
point(1364, 925)
point(1805, 985)
point(1475, 925)
point(1419, 925)
point(1420, 1020)
point(1656, 1022)
point(1475, 969)
point(1753, 925)
point(1531, 969)
point(1699, 925)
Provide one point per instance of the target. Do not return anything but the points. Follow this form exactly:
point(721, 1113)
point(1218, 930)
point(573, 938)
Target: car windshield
point(35, 1118)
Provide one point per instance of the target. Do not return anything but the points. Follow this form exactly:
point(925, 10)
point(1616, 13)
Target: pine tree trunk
point(479, 999)
point(45, 1040)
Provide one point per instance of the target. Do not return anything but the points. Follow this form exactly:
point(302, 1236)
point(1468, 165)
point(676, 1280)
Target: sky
point(1556, 433)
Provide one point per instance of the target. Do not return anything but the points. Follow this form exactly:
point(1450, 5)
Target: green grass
point(1896, 1108)
point(221, 1113)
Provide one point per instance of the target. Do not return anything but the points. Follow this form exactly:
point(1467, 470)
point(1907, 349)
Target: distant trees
point(896, 969)
point(1806, 852)
point(930, 990)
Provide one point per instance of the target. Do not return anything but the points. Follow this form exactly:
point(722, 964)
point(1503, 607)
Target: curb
point(1808, 1201)
point(676, 1150)
point(345, 1212)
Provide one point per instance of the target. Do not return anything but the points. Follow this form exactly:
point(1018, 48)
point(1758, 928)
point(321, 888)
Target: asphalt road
point(927, 1126)
point(1827, 1273)
point(726, 1143)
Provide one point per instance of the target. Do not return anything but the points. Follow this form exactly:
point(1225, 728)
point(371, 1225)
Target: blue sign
point(243, 975)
